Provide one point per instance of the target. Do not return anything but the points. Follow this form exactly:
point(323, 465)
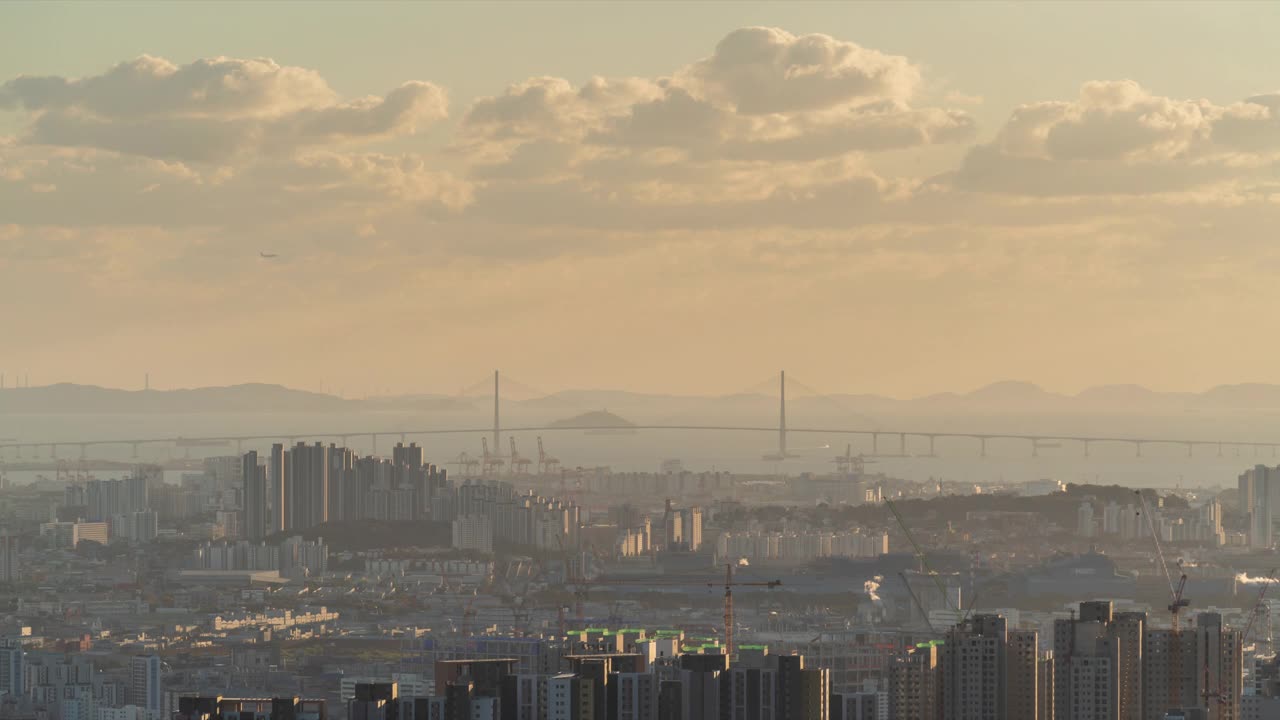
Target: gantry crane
point(466, 464)
point(519, 465)
point(848, 463)
point(546, 463)
point(489, 462)
point(1177, 602)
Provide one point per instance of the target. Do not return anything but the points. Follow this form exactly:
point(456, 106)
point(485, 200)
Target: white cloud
point(762, 70)
point(1116, 137)
point(769, 117)
point(210, 110)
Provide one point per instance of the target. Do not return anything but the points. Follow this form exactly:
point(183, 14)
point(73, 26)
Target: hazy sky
point(898, 198)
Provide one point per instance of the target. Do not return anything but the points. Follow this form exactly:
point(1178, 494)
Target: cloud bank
point(778, 177)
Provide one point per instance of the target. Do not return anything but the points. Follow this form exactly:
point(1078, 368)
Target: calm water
point(957, 459)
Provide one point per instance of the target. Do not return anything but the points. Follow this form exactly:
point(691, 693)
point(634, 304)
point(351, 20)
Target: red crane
point(729, 585)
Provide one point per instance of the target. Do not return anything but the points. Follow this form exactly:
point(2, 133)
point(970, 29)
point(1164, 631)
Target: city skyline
point(673, 187)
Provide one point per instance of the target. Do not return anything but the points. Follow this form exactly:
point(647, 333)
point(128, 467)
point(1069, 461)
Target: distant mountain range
point(1001, 397)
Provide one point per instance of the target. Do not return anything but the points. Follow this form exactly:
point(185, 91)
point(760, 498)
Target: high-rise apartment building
point(145, 689)
point(633, 696)
point(1260, 488)
point(307, 491)
point(10, 569)
point(106, 498)
point(277, 489)
point(749, 688)
point(11, 661)
point(858, 706)
point(1084, 520)
point(255, 523)
point(988, 669)
point(914, 690)
point(1195, 667)
point(1098, 664)
point(803, 693)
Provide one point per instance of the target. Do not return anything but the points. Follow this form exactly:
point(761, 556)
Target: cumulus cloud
point(210, 110)
point(1117, 137)
point(769, 115)
point(767, 70)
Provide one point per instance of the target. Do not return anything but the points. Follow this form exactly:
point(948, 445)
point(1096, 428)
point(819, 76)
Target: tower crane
point(1177, 602)
point(468, 616)
point(519, 465)
point(729, 584)
point(923, 613)
point(1259, 607)
point(925, 568)
point(1175, 591)
point(546, 463)
point(579, 585)
point(489, 462)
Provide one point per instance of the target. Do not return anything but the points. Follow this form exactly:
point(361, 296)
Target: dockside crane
point(850, 464)
point(546, 463)
point(466, 464)
point(489, 462)
point(519, 465)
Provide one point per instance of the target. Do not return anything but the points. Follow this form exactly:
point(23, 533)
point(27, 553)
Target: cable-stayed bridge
point(881, 441)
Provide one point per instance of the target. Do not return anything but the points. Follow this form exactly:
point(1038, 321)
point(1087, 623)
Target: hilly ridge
point(1000, 397)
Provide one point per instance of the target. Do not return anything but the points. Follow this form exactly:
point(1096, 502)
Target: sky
point(898, 198)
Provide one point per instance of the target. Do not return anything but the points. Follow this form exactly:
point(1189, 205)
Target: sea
point(956, 459)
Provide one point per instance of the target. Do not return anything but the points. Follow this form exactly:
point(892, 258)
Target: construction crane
point(1175, 591)
point(489, 462)
point(519, 465)
point(466, 464)
point(1259, 607)
point(578, 583)
point(1177, 602)
point(546, 463)
point(925, 568)
point(729, 585)
point(519, 616)
point(468, 616)
point(923, 613)
point(850, 464)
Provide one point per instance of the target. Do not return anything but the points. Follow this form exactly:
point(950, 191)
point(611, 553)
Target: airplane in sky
point(267, 255)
